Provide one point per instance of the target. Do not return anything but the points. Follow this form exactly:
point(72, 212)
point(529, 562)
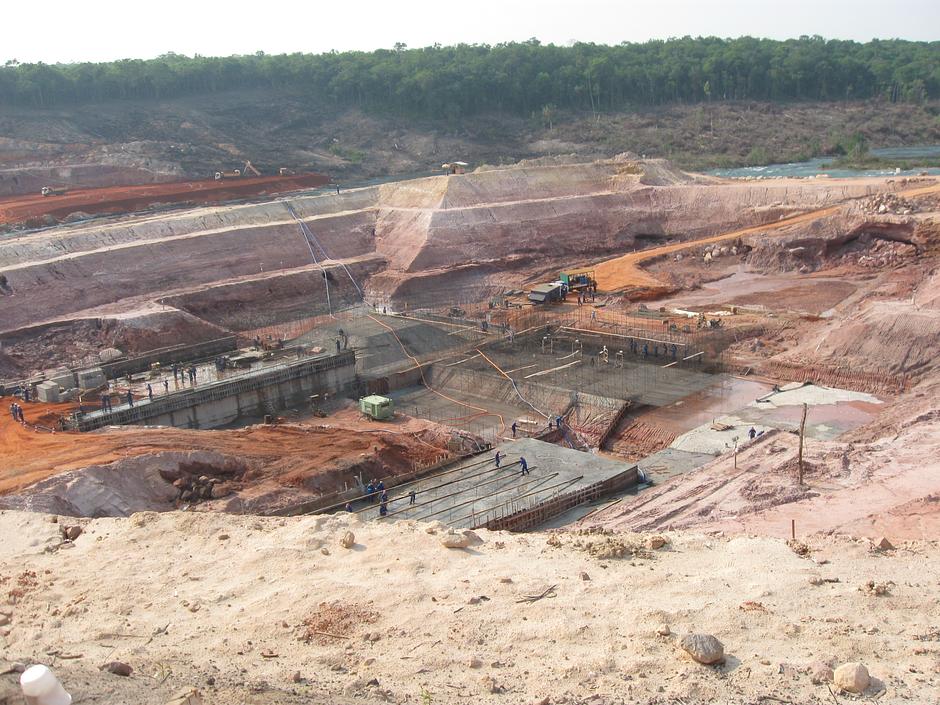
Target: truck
point(53, 191)
point(578, 281)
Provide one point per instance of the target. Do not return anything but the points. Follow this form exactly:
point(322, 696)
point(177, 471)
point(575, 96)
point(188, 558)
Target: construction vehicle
point(577, 281)
point(53, 190)
point(284, 171)
point(233, 174)
point(249, 169)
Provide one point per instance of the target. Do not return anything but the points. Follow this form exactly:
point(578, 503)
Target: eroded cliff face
point(232, 265)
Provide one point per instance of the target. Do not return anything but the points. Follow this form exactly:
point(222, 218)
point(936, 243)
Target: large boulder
point(851, 677)
point(460, 539)
point(704, 648)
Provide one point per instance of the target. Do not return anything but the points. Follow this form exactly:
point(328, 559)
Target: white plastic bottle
point(41, 687)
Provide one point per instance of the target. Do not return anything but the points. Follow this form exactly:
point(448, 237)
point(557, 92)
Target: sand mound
point(240, 606)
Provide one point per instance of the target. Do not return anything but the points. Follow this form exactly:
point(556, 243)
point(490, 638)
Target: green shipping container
point(376, 407)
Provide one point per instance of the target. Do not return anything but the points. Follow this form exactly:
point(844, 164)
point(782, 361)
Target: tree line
point(520, 78)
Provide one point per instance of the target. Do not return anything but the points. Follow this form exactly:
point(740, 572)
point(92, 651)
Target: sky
point(103, 30)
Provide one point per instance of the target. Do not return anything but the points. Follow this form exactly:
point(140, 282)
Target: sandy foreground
point(252, 610)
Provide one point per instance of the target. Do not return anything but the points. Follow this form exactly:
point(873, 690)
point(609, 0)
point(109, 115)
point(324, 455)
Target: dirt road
point(119, 199)
point(625, 272)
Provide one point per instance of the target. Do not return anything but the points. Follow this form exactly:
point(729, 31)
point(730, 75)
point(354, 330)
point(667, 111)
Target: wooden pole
point(802, 432)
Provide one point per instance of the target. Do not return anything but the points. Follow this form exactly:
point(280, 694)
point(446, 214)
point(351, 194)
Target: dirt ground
point(625, 272)
point(262, 467)
point(122, 199)
point(276, 611)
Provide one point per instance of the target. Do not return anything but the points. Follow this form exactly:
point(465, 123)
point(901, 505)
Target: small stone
point(296, 678)
point(224, 537)
point(505, 580)
point(664, 630)
point(851, 677)
point(118, 668)
point(53, 519)
point(475, 662)
point(348, 540)
point(820, 673)
point(325, 551)
point(585, 576)
point(489, 685)
point(883, 544)
point(704, 648)
point(544, 701)
point(473, 601)
point(655, 542)
point(460, 539)
point(4, 620)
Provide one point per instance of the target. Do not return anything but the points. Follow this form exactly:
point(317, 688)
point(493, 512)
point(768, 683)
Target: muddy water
point(730, 394)
point(743, 284)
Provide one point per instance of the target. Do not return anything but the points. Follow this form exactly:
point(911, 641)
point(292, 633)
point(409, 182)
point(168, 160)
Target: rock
point(851, 678)
point(460, 539)
point(489, 685)
point(473, 601)
point(475, 662)
point(325, 551)
point(224, 537)
point(348, 540)
point(53, 519)
point(118, 668)
point(883, 544)
point(704, 648)
point(296, 678)
point(819, 673)
point(664, 630)
point(655, 542)
point(543, 701)
point(585, 576)
point(4, 620)
point(73, 532)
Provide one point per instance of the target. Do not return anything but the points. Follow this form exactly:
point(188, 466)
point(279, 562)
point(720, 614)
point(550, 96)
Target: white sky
point(101, 30)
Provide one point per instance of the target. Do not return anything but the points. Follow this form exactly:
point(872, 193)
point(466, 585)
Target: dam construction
point(418, 432)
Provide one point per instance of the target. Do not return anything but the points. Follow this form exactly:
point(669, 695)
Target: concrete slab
point(478, 490)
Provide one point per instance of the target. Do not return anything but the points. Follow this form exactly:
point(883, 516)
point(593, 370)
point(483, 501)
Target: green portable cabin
point(376, 407)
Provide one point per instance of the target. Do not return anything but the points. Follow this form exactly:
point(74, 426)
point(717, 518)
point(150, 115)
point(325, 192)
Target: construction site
point(534, 363)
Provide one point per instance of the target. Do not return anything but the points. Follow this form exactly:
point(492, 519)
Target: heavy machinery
point(53, 190)
point(249, 169)
point(233, 174)
point(578, 281)
point(284, 171)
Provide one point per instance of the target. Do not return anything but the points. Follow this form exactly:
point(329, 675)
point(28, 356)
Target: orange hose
point(483, 412)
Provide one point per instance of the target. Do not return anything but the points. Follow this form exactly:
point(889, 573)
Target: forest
point(520, 78)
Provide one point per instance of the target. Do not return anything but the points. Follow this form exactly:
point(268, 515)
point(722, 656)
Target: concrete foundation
point(253, 393)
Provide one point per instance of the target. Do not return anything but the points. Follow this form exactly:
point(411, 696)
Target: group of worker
point(16, 411)
point(376, 492)
point(179, 371)
point(522, 462)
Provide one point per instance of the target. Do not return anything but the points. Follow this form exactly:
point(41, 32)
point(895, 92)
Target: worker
point(412, 497)
point(551, 423)
point(130, 398)
point(675, 350)
point(370, 490)
point(498, 458)
point(594, 315)
point(513, 427)
point(337, 345)
point(149, 392)
point(646, 349)
point(752, 433)
point(380, 487)
point(524, 465)
point(349, 507)
point(384, 497)
point(558, 422)
point(166, 386)
point(383, 509)
point(25, 393)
